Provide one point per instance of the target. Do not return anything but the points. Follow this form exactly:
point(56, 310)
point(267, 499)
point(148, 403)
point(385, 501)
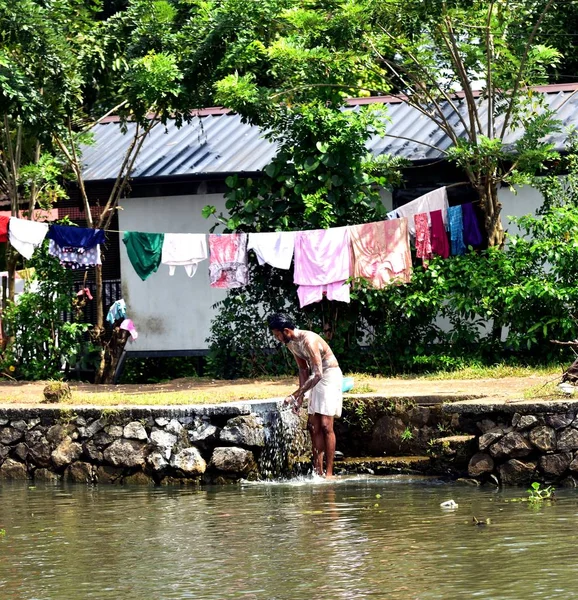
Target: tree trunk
point(492, 209)
point(99, 331)
point(112, 352)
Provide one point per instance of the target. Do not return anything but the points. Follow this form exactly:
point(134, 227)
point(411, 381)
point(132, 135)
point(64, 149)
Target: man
point(320, 375)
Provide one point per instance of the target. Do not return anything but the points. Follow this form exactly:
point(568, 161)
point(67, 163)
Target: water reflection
point(356, 538)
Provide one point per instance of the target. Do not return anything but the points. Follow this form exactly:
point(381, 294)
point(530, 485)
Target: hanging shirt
point(144, 251)
point(456, 230)
point(439, 237)
point(472, 234)
point(422, 237)
point(380, 252)
point(322, 260)
point(274, 248)
point(184, 249)
point(78, 237)
point(4, 228)
point(228, 264)
point(436, 200)
point(116, 311)
point(72, 257)
point(25, 235)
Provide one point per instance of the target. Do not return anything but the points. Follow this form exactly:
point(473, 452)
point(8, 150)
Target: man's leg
point(328, 435)
point(317, 442)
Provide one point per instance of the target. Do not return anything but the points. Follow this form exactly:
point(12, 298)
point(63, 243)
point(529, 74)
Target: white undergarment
point(184, 250)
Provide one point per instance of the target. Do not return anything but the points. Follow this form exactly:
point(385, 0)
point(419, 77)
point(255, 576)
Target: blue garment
point(76, 237)
point(472, 234)
point(116, 311)
point(456, 230)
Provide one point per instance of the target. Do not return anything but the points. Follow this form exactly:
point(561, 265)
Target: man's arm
point(308, 380)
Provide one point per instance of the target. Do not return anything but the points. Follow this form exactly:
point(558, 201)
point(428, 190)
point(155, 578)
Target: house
point(179, 171)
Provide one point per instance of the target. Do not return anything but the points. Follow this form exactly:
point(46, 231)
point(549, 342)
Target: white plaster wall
point(523, 201)
point(170, 313)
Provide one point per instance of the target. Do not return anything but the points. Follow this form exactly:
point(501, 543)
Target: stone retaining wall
point(160, 445)
point(520, 443)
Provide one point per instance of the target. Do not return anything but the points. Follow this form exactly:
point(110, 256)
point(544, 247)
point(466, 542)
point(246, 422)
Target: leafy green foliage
point(538, 494)
point(45, 342)
point(317, 179)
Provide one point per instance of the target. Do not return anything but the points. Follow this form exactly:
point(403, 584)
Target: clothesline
point(324, 259)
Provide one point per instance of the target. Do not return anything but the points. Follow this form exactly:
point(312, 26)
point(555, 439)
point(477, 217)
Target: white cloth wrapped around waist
point(326, 398)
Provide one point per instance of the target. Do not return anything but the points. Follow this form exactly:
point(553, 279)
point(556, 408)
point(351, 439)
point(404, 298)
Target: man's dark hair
point(280, 321)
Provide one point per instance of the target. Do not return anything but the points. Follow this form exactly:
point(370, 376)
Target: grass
point(498, 371)
point(164, 398)
point(207, 391)
point(548, 391)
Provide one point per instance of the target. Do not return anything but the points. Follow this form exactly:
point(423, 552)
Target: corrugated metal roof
point(217, 142)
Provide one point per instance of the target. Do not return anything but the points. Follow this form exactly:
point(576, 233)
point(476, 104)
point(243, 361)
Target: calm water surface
point(354, 538)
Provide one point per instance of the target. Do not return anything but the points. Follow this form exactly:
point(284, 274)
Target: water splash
point(285, 442)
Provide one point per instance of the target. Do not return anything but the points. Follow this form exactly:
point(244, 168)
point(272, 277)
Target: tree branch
point(517, 82)
point(431, 77)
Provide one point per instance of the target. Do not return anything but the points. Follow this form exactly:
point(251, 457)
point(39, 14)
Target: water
point(300, 540)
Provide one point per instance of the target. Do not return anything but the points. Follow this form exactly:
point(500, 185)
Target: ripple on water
point(353, 537)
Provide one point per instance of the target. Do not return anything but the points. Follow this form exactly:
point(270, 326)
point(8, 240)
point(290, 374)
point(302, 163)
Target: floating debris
point(449, 504)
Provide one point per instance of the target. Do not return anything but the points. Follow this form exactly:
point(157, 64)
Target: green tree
point(469, 67)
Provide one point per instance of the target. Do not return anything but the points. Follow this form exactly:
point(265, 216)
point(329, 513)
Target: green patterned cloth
point(144, 251)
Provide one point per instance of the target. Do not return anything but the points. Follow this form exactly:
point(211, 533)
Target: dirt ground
point(202, 391)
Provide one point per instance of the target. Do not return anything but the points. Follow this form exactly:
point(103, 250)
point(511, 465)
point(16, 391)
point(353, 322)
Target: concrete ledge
point(232, 409)
point(490, 405)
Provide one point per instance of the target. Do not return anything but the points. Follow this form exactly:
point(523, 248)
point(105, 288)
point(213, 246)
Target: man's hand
point(294, 402)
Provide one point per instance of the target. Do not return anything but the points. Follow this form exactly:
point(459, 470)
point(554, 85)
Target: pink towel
point(422, 237)
point(439, 237)
point(228, 260)
point(322, 264)
point(380, 252)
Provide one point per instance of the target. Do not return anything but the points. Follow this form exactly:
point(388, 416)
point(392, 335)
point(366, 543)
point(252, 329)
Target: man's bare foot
point(329, 476)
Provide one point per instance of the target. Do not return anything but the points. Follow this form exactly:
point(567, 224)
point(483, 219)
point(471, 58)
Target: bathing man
point(320, 375)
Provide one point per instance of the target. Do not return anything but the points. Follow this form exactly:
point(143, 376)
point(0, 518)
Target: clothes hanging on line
point(456, 224)
point(472, 234)
point(184, 249)
point(439, 237)
point(274, 248)
point(77, 237)
point(422, 237)
point(436, 200)
point(72, 257)
point(128, 325)
point(337, 292)
point(322, 260)
point(4, 228)
point(26, 236)
point(228, 263)
point(116, 311)
point(144, 251)
point(380, 252)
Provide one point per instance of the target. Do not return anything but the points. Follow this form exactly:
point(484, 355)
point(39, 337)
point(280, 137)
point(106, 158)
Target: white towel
point(274, 248)
point(184, 249)
point(26, 235)
point(326, 397)
point(436, 200)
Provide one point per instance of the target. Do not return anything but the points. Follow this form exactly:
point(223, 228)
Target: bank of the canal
point(454, 435)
